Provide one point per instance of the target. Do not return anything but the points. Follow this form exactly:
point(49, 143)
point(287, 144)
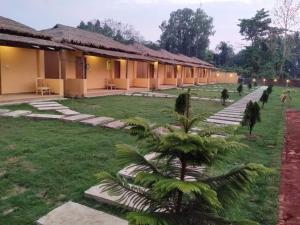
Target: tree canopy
point(187, 32)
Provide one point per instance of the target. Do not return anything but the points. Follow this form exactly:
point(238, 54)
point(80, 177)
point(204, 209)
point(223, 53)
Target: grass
point(207, 91)
point(45, 163)
point(123, 107)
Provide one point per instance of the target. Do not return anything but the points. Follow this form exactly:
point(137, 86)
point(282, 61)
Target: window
point(141, 71)
point(169, 71)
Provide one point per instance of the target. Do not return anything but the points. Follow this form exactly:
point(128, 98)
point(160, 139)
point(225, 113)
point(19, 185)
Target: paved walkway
point(233, 114)
point(289, 200)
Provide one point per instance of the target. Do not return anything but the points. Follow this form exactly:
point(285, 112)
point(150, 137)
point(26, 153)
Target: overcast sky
point(144, 15)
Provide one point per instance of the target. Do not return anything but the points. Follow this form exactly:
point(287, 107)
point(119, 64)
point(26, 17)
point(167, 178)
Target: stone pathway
point(233, 114)
point(163, 95)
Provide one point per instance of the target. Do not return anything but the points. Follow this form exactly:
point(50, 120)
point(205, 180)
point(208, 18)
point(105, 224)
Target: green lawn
point(45, 163)
point(122, 107)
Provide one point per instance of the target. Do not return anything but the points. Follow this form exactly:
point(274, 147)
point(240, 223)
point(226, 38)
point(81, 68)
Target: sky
point(144, 15)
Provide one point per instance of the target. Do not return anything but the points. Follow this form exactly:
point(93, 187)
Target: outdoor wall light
point(275, 80)
point(288, 81)
point(254, 80)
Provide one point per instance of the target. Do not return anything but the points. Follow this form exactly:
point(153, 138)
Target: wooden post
point(59, 65)
point(126, 69)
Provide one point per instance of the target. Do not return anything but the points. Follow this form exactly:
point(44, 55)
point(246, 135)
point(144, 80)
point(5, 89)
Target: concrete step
point(97, 121)
point(72, 213)
point(16, 113)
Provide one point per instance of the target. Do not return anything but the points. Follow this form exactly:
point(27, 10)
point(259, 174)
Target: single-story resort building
point(70, 62)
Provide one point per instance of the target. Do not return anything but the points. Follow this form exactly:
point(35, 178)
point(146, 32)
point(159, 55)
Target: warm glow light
point(230, 75)
point(288, 81)
point(275, 80)
point(264, 80)
point(254, 80)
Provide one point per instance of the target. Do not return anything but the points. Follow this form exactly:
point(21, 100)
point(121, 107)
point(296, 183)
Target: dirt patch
point(9, 211)
point(13, 160)
point(16, 190)
point(289, 199)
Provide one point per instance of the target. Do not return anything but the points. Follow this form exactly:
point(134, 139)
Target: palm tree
point(224, 96)
point(175, 187)
point(240, 89)
point(251, 115)
point(264, 98)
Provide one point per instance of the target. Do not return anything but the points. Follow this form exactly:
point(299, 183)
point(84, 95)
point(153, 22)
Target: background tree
point(187, 32)
point(119, 31)
point(286, 14)
point(225, 54)
point(257, 27)
point(264, 98)
point(251, 115)
point(240, 89)
point(224, 96)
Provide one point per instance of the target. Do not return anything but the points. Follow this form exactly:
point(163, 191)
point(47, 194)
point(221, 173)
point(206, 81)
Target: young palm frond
point(231, 184)
point(132, 197)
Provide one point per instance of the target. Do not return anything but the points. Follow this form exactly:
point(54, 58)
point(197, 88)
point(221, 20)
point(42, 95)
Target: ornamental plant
point(251, 115)
point(174, 187)
point(240, 89)
point(224, 96)
point(264, 98)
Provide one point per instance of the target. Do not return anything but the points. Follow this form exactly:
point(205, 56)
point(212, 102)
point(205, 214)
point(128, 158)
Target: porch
point(10, 99)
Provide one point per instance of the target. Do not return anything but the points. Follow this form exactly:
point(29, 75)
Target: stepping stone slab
point(222, 122)
point(97, 193)
point(42, 103)
point(97, 121)
point(226, 118)
point(2, 111)
point(47, 105)
point(78, 117)
point(67, 112)
point(16, 113)
point(229, 115)
point(45, 116)
point(52, 108)
point(118, 124)
point(72, 213)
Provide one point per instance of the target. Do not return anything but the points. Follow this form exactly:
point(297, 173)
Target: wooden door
point(117, 68)
point(80, 68)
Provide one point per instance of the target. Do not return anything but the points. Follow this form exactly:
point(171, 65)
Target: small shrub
point(251, 116)
point(264, 98)
point(182, 103)
point(224, 96)
point(270, 89)
point(240, 89)
point(249, 86)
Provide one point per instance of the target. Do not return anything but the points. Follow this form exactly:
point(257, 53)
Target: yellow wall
point(68, 59)
point(97, 72)
point(19, 69)
point(226, 77)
